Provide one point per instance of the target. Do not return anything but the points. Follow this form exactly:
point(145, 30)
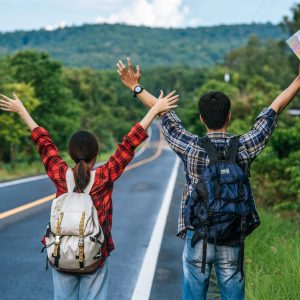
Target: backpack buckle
point(80, 241)
point(57, 240)
point(243, 224)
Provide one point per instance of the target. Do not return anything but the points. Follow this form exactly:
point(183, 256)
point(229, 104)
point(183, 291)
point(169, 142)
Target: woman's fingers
point(173, 98)
point(161, 95)
point(5, 109)
point(15, 96)
point(6, 98)
point(5, 105)
point(4, 101)
point(171, 94)
point(173, 102)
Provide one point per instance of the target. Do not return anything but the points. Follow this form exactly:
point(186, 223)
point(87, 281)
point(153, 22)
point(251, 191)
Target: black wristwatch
point(138, 89)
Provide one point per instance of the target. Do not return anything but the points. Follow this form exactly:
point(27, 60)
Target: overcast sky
point(50, 14)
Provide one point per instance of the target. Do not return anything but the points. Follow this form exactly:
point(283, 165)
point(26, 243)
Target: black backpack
point(221, 207)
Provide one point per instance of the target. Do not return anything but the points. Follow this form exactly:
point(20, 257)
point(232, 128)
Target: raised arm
point(285, 97)
point(15, 105)
point(47, 149)
point(257, 138)
point(131, 79)
point(176, 135)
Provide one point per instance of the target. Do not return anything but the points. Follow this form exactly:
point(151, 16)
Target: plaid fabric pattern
point(105, 176)
point(194, 158)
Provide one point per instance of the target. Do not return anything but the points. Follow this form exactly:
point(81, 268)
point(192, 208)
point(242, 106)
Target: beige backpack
point(74, 236)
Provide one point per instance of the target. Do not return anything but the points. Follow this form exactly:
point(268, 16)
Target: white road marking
point(24, 180)
point(143, 285)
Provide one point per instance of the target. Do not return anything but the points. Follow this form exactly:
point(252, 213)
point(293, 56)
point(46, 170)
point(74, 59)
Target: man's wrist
point(132, 87)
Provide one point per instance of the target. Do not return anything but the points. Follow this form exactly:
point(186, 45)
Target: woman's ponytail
point(82, 175)
point(83, 149)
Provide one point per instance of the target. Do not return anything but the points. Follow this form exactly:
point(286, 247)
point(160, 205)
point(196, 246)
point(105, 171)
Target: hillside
point(98, 46)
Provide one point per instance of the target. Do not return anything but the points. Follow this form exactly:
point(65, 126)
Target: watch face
point(138, 89)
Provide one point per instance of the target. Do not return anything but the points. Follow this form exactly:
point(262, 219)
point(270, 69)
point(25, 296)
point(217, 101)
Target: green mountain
point(99, 46)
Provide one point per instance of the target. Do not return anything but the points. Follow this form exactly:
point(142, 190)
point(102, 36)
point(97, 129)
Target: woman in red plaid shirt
point(83, 149)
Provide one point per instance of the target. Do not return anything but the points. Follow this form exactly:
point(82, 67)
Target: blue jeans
point(81, 286)
point(195, 284)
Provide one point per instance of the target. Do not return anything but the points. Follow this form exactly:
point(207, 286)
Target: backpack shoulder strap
point(210, 148)
point(232, 149)
point(87, 190)
point(71, 182)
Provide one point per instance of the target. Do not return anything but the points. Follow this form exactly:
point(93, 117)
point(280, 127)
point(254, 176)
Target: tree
point(58, 111)
point(292, 24)
point(12, 130)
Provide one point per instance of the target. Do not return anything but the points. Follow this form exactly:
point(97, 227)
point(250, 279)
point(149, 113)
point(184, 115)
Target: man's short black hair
point(214, 108)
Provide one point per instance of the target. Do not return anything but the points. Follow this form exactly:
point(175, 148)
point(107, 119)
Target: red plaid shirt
point(106, 174)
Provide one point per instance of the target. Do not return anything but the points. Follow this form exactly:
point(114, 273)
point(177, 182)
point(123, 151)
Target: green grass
point(20, 170)
point(273, 260)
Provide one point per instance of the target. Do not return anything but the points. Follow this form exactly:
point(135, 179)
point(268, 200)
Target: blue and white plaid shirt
point(187, 147)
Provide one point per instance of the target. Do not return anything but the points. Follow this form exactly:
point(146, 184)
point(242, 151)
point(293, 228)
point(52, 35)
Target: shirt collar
point(219, 135)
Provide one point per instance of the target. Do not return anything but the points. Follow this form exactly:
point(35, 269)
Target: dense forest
point(97, 46)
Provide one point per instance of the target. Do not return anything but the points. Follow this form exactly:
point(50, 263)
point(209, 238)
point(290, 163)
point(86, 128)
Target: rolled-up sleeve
point(125, 151)
point(53, 163)
point(257, 138)
point(176, 135)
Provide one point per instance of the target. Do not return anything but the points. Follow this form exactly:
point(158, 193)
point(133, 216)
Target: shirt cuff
point(138, 133)
point(268, 113)
point(37, 132)
point(168, 116)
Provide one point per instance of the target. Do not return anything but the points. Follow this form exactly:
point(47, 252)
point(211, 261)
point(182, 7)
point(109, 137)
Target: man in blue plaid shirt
point(214, 109)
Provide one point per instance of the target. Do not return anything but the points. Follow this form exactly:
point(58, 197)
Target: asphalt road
point(137, 197)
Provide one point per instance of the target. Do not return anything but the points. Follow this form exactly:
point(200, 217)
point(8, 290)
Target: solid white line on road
point(143, 286)
point(39, 177)
point(24, 180)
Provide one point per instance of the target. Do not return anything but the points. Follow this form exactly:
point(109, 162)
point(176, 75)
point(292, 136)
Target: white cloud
point(62, 24)
point(158, 13)
point(194, 22)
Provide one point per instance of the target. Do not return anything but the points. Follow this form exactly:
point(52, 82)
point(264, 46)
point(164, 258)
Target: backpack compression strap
point(81, 241)
point(56, 250)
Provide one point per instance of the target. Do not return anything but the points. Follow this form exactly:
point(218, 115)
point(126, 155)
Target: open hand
point(164, 104)
point(12, 105)
point(127, 75)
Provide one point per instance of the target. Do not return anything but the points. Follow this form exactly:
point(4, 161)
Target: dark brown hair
point(83, 149)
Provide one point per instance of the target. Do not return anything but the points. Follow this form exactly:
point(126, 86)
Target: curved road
point(137, 199)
